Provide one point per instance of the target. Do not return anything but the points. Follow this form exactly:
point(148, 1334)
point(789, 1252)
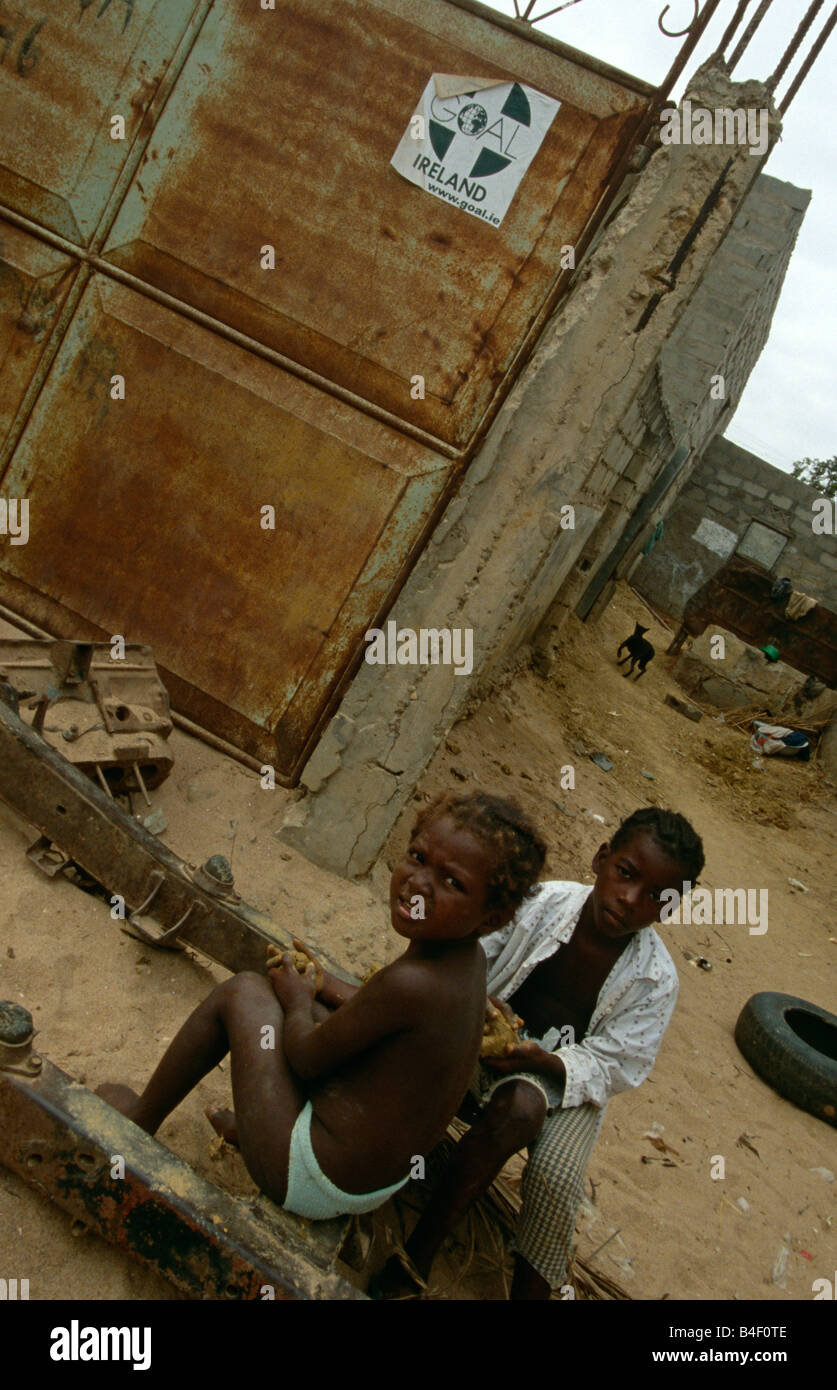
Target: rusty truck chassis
point(68, 1143)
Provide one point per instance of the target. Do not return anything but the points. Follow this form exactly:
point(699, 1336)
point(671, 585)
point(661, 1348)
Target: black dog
point(638, 651)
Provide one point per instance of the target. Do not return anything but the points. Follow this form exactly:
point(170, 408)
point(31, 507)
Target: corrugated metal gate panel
point(66, 67)
point(34, 283)
point(375, 280)
point(145, 513)
point(276, 127)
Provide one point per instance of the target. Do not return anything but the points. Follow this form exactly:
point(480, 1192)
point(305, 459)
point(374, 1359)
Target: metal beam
point(66, 1142)
point(191, 907)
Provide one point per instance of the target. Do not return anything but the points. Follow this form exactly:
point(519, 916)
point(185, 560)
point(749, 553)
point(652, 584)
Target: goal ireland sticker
point(470, 141)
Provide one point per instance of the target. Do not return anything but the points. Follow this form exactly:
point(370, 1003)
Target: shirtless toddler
point(360, 1081)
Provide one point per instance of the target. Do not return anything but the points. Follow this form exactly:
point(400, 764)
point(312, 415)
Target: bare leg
point(511, 1120)
point(223, 1120)
point(235, 1017)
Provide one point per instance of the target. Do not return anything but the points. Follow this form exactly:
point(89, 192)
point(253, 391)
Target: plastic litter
point(155, 822)
point(780, 1264)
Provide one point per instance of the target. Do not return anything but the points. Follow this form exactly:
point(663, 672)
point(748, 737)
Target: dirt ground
point(106, 1005)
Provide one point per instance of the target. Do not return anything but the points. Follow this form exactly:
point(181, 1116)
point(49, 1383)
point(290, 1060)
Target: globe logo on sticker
point(472, 119)
point(471, 140)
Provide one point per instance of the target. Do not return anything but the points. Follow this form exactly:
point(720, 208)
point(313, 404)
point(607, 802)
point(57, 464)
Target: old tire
point(793, 1046)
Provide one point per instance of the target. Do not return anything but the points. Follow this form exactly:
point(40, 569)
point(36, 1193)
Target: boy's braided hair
point(504, 827)
point(673, 833)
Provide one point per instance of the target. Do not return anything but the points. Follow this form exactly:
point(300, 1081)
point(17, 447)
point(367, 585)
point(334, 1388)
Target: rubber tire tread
point(799, 1072)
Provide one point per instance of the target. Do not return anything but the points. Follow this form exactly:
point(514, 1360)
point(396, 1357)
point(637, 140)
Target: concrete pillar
point(499, 554)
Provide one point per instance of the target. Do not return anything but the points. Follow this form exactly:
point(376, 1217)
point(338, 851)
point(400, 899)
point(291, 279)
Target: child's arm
point(617, 1054)
point(525, 1055)
point(391, 1002)
point(332, 992)
point(335, 993)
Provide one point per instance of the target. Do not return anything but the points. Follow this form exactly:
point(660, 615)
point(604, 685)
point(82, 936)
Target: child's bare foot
point(223, 1122)
point(122, 1098)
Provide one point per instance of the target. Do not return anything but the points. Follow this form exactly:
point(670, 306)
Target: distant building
point(687, 399)
point(736, 502)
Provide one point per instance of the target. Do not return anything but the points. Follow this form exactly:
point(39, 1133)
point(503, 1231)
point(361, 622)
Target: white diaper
point(311, 1193)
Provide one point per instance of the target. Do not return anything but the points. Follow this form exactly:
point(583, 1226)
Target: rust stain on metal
point(255, 630)
point(62, 77)
point(363, 306)
point(34, 283)
point(737, 598)
point(62, 1139)
point(239, 615)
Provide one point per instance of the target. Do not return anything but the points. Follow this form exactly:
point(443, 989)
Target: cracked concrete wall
point(639, 448)
point(499, 554)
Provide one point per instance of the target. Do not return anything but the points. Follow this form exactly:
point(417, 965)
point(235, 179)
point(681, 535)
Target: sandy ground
point(106, 1005)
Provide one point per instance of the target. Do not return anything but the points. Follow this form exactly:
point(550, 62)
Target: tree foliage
point(818, 473)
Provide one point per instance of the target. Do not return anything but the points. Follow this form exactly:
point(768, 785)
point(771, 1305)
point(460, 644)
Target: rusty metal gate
point(152, 149)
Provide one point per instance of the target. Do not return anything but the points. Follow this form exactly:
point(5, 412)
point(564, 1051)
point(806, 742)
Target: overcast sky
point(789, 407)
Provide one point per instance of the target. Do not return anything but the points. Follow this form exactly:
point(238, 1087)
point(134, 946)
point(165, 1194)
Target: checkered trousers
point(552, 1189)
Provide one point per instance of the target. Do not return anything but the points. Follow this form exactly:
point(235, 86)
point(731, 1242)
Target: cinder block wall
point(721, 333)
point(728, 322)
point(733, 487)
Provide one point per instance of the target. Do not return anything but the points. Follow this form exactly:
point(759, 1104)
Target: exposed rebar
point(678, 33)
point(809, 62)
point(813, 11)
point(695, 34)
point(686, 244)
point(729, 32)
point(536, 19)
point(744, 41)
